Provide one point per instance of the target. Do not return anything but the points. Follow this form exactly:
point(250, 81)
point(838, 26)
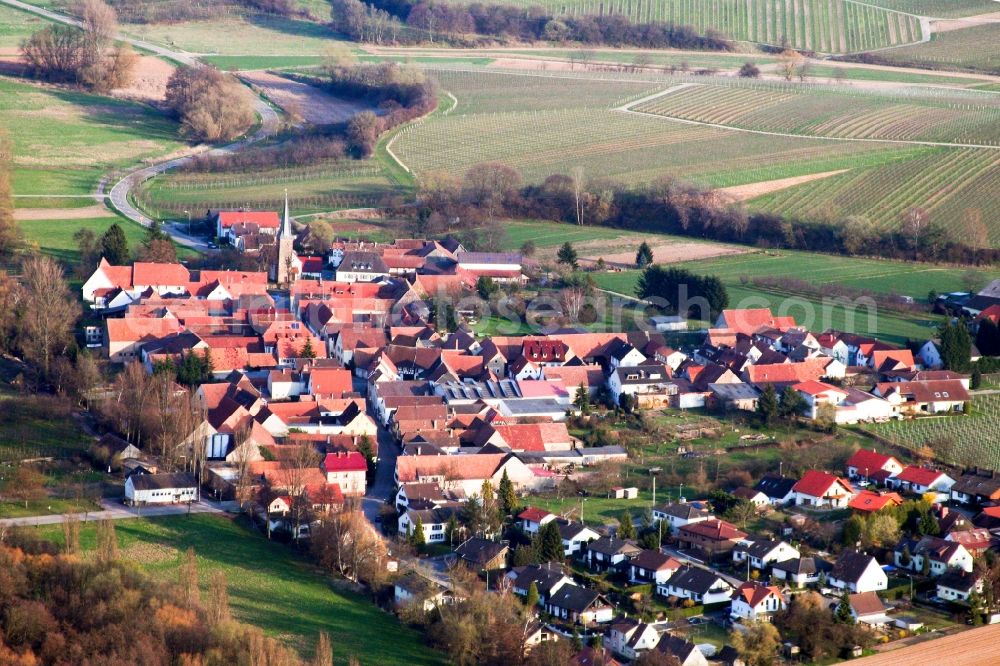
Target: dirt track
point(81, 213)
point(754, 190)
point(976, 647)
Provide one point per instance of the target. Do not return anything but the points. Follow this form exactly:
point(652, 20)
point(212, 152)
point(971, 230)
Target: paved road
point(384, 482)
point(114, 510)
point(119, 195)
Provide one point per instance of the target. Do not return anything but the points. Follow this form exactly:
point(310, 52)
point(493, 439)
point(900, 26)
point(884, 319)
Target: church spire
point(286, 222)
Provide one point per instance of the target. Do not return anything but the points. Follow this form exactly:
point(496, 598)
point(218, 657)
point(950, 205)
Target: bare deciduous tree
point(47, 315)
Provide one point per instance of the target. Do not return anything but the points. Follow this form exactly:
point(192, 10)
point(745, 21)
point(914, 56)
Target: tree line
point(467, 25)
point(671, 206)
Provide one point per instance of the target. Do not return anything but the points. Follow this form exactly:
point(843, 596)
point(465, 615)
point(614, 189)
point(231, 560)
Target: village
point(351, 379)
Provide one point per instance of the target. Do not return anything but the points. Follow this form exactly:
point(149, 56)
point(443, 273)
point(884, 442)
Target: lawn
point(55, 237)
point(65, 141)
point(16, 25)
point(269, 587)
point(243, 62)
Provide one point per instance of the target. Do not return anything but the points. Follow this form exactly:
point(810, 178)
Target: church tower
point(283, 271)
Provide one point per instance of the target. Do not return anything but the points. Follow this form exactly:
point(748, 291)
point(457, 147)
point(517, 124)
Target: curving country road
point(118, 196)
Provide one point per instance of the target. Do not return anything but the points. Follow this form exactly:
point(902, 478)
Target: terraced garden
point(976, 435)
point(910, 114)
point(829, 26)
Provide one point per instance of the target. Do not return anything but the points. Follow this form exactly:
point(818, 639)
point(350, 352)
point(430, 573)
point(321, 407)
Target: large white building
point(142, 489)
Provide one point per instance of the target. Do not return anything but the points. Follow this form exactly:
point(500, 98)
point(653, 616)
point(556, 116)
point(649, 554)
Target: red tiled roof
point(341, 461)
point(150, 274)
point(867, 500)
point(533, 436)
point(533, 514)
point(815, 388)
point(755, 593)
point(263, 219)
point(816, 483)
point(902, 356)
point(468, 467)
point(921, 476)
point(871, 460)
point(749, 320)
point(330, 381)
point(718, 530)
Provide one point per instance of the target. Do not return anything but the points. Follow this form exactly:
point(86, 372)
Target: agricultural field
point(738, 272)
point(905, 114)
point(235, 36)
point(55, 236)
point(956, 186)
point(311, 189)
point(975, 49)
point(268, 586)
point(938, 8)
point(65, 141)
point(975, 435)
point(829, 26)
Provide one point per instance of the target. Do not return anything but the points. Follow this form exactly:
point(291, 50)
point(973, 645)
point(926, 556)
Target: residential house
point(145, 489)
point(820, 489)
point(933, 555)
point(867, 608)
point(976, 487)
point(348, 469)
point(434, 521)
point(425, 495)
point(686, 652)
point(857, 572)
point(648, 384)
point(763, 553)
point(579, 605)
point(610, 553)
point(818, 395)
point(958, 584)
point(413, 587)
point(921, 480)
point(537, 633)
point(779, 489)
point(547, 578)
point(868, 502)
point(702, 586)
point(465, 472)
point(864, 463)
point(917, 398)
point(711, 538)
point(652, 566)
point(532, 519)
point(975, 540)
point(362, 266)
point(680, 514)
point(756, 602)
point(483, 554)
point(575, 537)
point(757, 498)
point(629, 637)
point(798, 572)
point(734, 396)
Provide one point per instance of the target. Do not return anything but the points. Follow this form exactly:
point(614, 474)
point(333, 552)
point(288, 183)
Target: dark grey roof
point(851, 565)
point(677, 646)
point(651, 560)
point(683, 510)
point(480, 551)
point(568, 530)
point(368, 262)
point(162, 481)
point(544, 576)
point(957, 579)
point(418, 585)
point(738, 391)
point(775, 487)
point(575, 598)
point(759, 549)
point(607, 545)
point(801, 565)
point(648, 373)
point(694, 579)
point(488, 258)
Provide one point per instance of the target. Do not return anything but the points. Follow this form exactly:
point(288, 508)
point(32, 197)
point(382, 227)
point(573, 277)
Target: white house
point(652, 566)
point(700, 585)
point(547, 579)
point(857, 572)
point(532, 519)
point(762, 554)
point(349, 469)
point(756, 602)
point(434, 522)
point(579, 605)
point(799, 572)
point(920, 480)
point(864, 464)
point(144, 489)
point(817, 394)
point(680, 514)
point(941, 555)
point(957, 585)
point(639, 379)
point(575, 536)
point(820, 489)
point(629, 637)
point(867, 608)
point(414, 587)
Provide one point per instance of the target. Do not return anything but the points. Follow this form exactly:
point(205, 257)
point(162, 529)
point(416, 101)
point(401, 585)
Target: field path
point(119, 194)
point(112, 510)
point(754, 190)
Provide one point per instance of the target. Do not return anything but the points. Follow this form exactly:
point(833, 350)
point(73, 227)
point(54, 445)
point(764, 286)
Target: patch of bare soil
point(620, 252)
point(754, 190)
point(149, 81)
point(304, 101)
point(947, 25)
point(82, 213)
